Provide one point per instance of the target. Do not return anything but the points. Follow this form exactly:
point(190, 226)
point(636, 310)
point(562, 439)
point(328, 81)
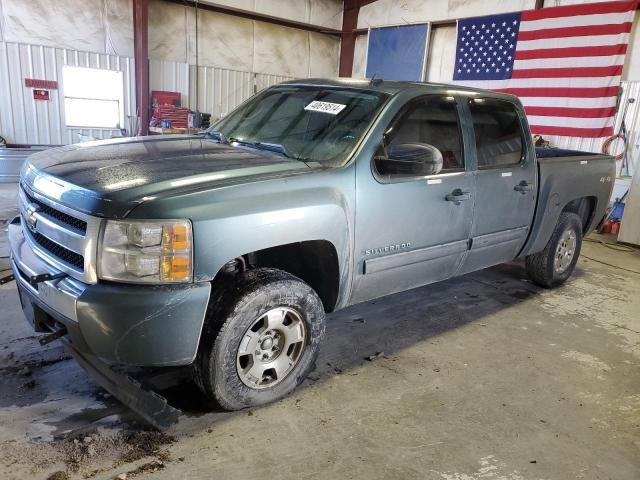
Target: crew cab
point(223, 251)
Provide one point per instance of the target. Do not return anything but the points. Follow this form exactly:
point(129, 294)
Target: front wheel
point(554, 265)
point(261, 339)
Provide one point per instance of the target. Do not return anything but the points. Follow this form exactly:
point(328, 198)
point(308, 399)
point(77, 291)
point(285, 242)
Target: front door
point(413, 229)
point(505, 182)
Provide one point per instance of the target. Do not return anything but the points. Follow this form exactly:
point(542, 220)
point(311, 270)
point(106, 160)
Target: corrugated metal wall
point(220, 90)
point(27, 121)
point(24, 120)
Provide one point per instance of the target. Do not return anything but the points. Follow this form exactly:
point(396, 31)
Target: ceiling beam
point(261, 17)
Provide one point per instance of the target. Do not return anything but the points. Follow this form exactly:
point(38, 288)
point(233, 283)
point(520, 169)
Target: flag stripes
point(565, 63)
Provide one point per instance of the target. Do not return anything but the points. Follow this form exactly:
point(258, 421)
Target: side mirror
point(410, 159)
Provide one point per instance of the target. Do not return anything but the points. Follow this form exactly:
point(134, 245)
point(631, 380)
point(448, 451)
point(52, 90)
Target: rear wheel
point(555, 264)
point(261, 339)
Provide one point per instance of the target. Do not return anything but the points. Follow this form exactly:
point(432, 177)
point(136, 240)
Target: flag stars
point(486, 49)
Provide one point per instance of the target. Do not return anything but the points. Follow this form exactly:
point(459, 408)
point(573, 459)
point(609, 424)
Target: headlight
point(141, 251)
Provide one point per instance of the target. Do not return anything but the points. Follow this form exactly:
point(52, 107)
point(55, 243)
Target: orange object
point(615, 227)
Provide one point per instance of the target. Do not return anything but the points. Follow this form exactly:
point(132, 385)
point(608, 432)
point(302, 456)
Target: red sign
point(33, 83)
point(41, 94)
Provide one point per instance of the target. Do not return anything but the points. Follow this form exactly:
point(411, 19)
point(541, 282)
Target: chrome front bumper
point(134, 325)
point(60, 295)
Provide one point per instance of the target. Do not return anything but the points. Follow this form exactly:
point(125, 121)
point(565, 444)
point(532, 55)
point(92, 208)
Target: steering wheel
point(341, 135)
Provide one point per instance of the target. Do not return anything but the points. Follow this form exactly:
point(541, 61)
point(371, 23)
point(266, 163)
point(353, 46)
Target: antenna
point(375, 81)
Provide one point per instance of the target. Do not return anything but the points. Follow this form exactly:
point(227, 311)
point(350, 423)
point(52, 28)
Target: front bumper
point(131, 325)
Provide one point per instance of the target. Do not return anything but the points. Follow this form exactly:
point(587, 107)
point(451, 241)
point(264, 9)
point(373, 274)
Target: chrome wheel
point(271, 347)
point(565, 251)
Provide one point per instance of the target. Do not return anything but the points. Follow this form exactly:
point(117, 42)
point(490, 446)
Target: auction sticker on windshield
point(325, 107)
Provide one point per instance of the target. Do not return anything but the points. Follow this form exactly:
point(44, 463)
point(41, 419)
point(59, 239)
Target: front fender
point(232, 221)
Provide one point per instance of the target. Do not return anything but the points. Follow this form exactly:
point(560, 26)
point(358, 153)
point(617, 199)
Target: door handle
point(523, 187)
point(458, 196)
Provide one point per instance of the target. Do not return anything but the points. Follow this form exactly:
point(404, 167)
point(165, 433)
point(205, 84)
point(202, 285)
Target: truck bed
point(565, 176)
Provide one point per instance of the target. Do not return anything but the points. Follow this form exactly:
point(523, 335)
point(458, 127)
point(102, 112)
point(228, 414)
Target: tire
point(542, 267)
point(237, 317)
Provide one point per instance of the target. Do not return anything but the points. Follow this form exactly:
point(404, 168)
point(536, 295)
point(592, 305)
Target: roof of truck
point(393, 87)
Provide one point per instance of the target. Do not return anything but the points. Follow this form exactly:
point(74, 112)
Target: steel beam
point(141, 58)
point(350, 13)
point(261, 17)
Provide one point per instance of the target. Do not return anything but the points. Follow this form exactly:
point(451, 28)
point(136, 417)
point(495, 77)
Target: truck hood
point(109, 177)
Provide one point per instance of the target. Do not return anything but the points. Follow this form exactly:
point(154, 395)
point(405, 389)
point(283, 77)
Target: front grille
point(67, 256)
point(56, 215)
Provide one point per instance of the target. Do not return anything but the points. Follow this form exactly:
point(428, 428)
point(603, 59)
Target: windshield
point(308, 123)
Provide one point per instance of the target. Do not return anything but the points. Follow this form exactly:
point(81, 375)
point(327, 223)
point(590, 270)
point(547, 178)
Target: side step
point(153, 408)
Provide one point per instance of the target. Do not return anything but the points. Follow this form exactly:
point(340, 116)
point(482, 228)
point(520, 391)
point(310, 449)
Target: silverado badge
point(390, 248)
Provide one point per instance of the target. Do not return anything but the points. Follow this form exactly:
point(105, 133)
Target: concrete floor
point(482, 377)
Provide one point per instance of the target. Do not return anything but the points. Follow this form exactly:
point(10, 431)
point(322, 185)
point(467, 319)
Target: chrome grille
point(57, 215)
point(63, 237)
point(74, 259)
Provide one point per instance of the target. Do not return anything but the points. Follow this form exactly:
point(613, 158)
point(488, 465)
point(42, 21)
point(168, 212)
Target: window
point(93, 98)
point(429, 120)
point(320, 124)
point(498, 133)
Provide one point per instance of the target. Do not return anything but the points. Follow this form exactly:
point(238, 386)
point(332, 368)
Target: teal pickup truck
point(223, 251)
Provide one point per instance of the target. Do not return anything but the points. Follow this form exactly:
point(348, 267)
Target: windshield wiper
point(215, 135)
point(270, 147)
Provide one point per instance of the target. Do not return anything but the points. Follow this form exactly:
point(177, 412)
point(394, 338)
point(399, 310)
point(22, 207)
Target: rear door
point(506, 178)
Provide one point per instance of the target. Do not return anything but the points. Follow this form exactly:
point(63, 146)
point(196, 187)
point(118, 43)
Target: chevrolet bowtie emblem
point(30, 217)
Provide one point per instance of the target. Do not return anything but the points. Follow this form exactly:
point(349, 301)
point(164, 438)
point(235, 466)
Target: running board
point(149, 405)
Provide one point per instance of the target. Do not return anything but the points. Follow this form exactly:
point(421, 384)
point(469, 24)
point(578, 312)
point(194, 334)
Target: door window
point(498, 133)
point(430, 120)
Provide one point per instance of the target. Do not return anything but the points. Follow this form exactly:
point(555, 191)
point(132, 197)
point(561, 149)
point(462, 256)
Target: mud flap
point(153, 408)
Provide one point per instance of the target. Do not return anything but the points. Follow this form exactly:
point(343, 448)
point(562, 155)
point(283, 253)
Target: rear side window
point(498, 133)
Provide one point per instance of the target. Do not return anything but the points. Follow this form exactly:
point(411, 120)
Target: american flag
point(564, 63)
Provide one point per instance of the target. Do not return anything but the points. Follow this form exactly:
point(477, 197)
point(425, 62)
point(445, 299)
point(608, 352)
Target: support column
point(141, 58)
point(348, 36)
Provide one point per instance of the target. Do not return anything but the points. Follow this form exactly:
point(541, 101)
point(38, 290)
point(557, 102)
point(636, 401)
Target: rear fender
point(564, 180)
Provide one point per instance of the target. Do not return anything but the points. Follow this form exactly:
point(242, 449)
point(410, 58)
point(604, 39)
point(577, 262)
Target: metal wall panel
point(171, 77)
point(220, 90)
point(27, 121)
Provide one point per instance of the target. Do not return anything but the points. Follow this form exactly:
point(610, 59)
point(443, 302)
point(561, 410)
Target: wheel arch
point(315, 262)
point(585, 208)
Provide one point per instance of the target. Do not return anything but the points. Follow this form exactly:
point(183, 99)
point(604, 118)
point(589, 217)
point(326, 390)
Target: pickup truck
point(223, 251)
